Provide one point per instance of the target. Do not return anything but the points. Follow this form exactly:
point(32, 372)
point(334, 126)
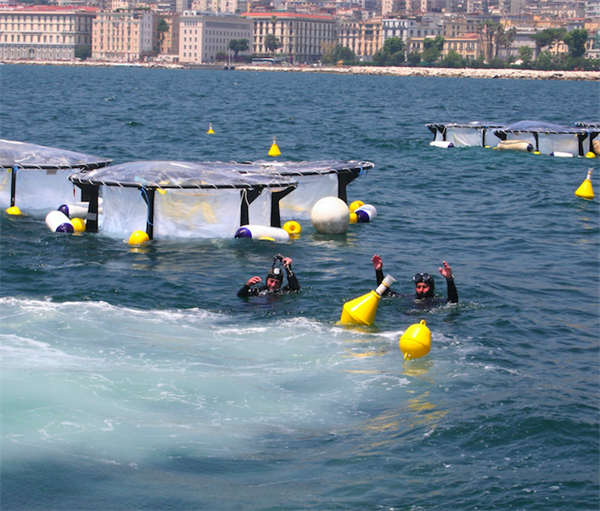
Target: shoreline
point(432, 72)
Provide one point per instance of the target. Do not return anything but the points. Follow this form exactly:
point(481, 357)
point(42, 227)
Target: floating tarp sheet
point(175, 174)
point(35, 177)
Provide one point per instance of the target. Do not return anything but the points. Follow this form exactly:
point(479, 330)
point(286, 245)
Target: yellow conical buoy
point(138, 237)
point(416, 341)
point(274, 151)
point(362, 310)
point(585, 190)
point(353, 218)
point(210, 129)
point(14, 210)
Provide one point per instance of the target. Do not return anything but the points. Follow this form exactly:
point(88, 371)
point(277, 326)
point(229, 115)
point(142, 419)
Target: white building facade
point(202, 36)
point(44, 32)
point(128, 36)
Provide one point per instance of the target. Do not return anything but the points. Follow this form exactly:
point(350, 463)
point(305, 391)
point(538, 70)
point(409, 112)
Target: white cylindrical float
point(365, 213)
point(441, 143)
point(515, 145)
point(561, 154)
point(57, 221)
point(76, 210)
point(262, 232)
point(330, 215)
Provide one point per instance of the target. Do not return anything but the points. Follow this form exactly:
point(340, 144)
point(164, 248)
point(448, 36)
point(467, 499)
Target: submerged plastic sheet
point(180, 213)
point(175, 174)
point(42, 175)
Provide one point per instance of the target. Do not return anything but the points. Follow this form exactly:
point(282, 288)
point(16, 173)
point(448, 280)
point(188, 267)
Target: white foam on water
point(122, 385)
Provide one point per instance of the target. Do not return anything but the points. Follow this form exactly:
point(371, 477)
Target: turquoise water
point(136, 379)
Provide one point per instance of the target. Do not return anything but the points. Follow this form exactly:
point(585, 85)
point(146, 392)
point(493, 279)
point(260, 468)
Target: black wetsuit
point(452, 292)
point(292, 286)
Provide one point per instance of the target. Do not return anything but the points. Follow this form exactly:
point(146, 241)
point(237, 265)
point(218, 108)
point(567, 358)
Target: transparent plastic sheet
point(259, 212)
point(125, 211)
point(30, 156)
point(39, 191)
point(566, 143)
point(5, 179)
point(299, 203)
point(196, 213)
point(464, 137)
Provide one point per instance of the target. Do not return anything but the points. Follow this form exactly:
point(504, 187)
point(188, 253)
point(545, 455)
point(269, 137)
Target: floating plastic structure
point(34, 178)
point(582, 139)
point(181, 199)
point(316, 180)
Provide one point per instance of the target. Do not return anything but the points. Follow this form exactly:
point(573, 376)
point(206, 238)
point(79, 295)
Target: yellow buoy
point(362, 310)
point(292, 228)
point(210, 129)
point(274, 151)
point(590, 154)
point(585, 190)
point(138, 237)
point(78, 224)
point(353, 218)
point(416, 341)
point(355, 205)
point(14, 210)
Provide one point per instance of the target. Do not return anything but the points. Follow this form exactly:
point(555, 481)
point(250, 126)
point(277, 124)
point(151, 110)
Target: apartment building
point(128, 36)
point(407, 28)
point(364, 38)
point(468, 46)
point(220, 6)
point(302, 36)
point(202, 36)
point(44, 32)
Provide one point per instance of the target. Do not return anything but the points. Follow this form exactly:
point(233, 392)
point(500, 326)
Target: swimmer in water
point(273, 281)
point(424, 284)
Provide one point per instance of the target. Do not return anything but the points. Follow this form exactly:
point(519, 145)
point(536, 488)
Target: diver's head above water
point(274, 278)
point(424, 285)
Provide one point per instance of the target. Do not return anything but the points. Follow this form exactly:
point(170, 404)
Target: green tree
point(452, 59)
point(488, 31)
point(525, 54)
point(272, 43)
point(333, 53)
point(547, 38)
point(414, 58)
point(576, 40)
point(162, 29)
point(393, 52)
point(83, 52)
point(238, 45)
point(432, 48)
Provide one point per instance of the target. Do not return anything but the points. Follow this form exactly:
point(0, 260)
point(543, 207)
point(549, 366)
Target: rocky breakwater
point(514, 74)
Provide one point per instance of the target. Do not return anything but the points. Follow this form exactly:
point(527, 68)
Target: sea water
point(135, 378)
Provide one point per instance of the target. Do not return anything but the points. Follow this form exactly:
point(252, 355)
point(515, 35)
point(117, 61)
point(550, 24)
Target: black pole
point(13, 186)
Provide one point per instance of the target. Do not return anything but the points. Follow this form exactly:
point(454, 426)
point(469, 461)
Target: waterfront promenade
point(514, 74)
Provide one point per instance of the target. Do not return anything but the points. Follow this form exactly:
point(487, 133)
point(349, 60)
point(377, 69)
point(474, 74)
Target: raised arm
point(446, 272)
point(293, 284)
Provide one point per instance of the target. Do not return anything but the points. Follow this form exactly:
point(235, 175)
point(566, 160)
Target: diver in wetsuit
point(424, 284)
point(274, 280)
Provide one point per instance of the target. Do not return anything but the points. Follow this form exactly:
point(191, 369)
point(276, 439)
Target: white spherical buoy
point(330, 215)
